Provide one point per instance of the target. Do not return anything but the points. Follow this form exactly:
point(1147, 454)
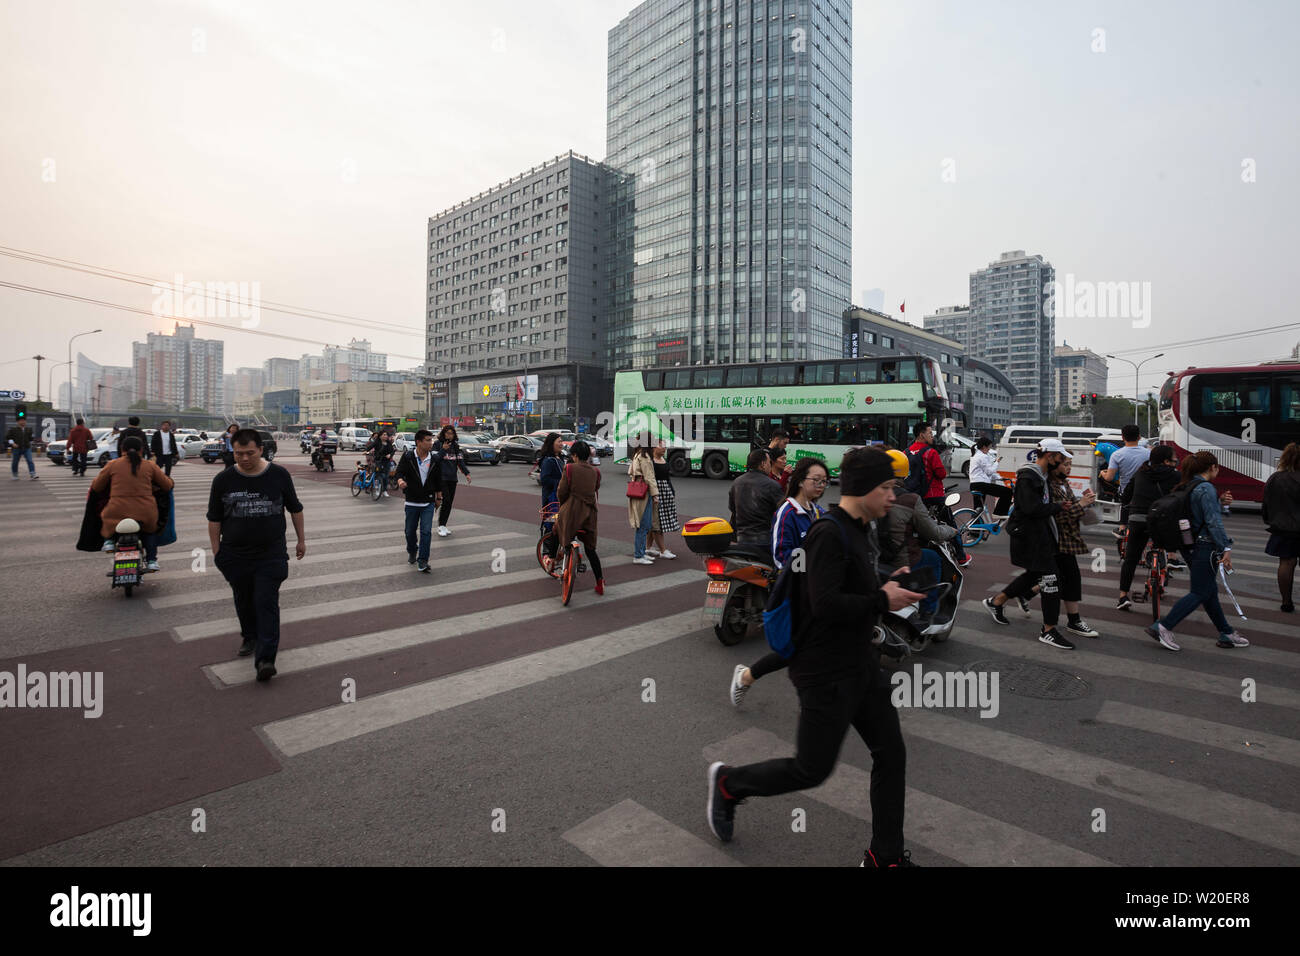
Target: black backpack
point(1166, 515)
point(916, 481)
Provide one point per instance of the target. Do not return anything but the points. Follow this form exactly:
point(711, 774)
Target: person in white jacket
point(984, 477)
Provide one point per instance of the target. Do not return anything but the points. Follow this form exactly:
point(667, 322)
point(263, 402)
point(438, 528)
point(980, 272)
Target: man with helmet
point(904, 530)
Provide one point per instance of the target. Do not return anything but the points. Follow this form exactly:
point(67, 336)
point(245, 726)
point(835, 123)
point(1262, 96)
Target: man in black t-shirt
point(246, 528)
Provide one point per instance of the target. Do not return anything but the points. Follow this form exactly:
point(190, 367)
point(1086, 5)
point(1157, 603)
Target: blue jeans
point(1205, 590)
point(423, 518)
point(930, 559)
point(23, 453)
point(643, 529)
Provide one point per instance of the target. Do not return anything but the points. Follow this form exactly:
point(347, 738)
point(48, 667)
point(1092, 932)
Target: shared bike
point(977, 525)
point(565, 566)
point(367, 478)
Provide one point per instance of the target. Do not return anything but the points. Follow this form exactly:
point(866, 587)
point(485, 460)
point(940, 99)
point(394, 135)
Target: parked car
point(404, 442)
point(212, 450)
point(519, 448)
point(57, 451)
point(600, 448)
point(564, 433)
point(957, 453)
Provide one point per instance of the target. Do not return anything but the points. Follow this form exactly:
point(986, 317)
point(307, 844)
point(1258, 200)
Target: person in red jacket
point(77, 447)
point(935, 473)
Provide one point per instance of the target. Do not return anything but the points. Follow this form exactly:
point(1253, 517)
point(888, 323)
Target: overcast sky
point(303, 146)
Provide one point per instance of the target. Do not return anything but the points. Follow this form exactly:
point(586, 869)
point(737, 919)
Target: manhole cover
point(1034, 680)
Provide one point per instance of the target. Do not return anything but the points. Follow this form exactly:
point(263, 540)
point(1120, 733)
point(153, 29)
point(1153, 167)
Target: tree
point(138, 405)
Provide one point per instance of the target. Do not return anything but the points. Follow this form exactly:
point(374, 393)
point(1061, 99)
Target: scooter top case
point(710, 537)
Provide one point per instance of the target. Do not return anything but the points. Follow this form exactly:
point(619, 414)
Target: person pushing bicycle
point(577, 493)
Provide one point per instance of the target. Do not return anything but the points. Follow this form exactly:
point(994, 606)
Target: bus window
point(1288, 400)
point(776, 375)
point(810, 430)
point(763, 428)
point(848, 373)
point(868, 372)
point(680, 378)
point(856, 429)
point(742, 377)
point(889, 371)
point(821, 374)
point(733, 428)
point(654, 380)
point(713, 378)
point(700, 375)
point(907, 371)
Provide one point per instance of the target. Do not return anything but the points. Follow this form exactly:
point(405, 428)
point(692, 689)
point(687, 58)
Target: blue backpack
point(778, 614)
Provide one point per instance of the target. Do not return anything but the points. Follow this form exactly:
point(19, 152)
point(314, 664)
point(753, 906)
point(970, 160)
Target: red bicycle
point(1156, 562)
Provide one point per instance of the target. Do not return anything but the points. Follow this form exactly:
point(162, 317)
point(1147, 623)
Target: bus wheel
point(715, 465)
point(679, 466)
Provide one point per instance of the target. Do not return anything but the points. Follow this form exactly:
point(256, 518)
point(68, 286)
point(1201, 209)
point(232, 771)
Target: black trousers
point(1134, 545)
point(1048, 591)
point(166, 462)
point(256, 586)
point(77, 460)
point(826, 712)
point(769, 663)
point(448, 496)
point(1068, 580)
point(1001, 492)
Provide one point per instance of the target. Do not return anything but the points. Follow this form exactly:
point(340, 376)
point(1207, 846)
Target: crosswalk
point(474, 630)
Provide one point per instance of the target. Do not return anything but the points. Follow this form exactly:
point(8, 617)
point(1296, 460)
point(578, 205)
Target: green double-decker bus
point(713, 415)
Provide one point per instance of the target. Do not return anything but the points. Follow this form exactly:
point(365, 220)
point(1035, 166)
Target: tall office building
point(280, 373)
point(729, 123)
point(952, 322)
point(1078, 372)
point(179, 370)
point(514, 291)
point(1009, 329)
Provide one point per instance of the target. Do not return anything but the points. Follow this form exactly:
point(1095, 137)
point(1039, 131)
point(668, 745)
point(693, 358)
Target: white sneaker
point(385, 494)
point(652, 552)
point(108, 546)
point(442, 531)
point(643, 560)
point(738, 690)
point(151, 566)
point(667, 555)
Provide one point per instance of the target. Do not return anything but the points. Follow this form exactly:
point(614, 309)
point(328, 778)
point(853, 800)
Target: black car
point(211, 452)
point(520, 448)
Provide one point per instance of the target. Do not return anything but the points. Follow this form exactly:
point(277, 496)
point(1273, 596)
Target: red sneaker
point(600, 586)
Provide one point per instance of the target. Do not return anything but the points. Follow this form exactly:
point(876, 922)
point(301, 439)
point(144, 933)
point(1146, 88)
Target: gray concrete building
point(514, 288)
point(729, 122)
point(1078, 372)
point(1009, 329)
point(952, 322)
point(989, 396)
point(873, 333)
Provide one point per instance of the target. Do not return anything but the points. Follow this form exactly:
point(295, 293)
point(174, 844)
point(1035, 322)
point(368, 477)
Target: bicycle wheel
point(962, 519)
point(376, 487)
point(357, 484)
point(570, 573)
point(545, 544)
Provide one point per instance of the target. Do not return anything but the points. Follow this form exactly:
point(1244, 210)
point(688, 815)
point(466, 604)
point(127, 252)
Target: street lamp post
point(71, 402)
point(1137, 389)
point(51, 384)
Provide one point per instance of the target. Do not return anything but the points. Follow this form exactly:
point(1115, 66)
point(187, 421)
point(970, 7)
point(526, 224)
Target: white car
point(189, 446)
point(354, 439)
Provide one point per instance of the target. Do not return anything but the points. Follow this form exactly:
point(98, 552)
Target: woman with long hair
point(450, 460)
point(796, 515)
point(551, 464)
point(665, 516)
point(640, 511)
point(1209, 542)
point(578, 494)
point(130, 482)
point(1282, 515)
point(227, 445)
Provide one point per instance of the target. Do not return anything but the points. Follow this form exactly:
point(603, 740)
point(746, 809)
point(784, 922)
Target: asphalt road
point(492, 726)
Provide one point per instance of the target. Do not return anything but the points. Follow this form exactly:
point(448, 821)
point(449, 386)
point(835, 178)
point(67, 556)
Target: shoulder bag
point(637, 488)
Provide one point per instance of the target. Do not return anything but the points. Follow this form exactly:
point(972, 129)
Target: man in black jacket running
point(836, 666)
point(419, 478)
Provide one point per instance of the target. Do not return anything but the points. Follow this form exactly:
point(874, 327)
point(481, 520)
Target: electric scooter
point(128, 557)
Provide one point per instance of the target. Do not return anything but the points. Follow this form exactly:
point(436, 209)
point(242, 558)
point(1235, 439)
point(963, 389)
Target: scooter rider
point(753, 499)
point(902, 530)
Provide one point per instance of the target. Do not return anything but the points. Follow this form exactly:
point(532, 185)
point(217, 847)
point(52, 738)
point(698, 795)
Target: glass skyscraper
point(729, 128)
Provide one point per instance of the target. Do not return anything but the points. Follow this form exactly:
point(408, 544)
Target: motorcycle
point(906, 631)
point(322, 455)
point(740, 577)
point(128, 557)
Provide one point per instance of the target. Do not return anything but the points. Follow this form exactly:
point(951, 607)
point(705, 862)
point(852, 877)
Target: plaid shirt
point(1070, 538)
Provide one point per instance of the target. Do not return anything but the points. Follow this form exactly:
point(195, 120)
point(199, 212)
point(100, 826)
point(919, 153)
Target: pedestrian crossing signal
point(21, 412)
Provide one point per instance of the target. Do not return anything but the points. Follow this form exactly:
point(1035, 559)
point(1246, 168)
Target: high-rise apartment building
point(1009, 329)
point(280, 373)
point(729, 123)
point(952, 322)
point(514, 288)
point(1078, 372)
point(179, 370)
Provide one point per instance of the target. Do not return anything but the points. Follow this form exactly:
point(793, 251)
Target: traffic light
point(1094, 398)
point(1083, 399)
point(20, 411)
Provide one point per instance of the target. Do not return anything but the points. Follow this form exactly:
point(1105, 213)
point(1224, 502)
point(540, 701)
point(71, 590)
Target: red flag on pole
point(903, 307)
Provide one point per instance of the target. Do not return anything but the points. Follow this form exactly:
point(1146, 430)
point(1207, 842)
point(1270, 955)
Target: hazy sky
point(303, 146)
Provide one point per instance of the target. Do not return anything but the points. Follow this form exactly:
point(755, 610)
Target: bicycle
point(547, 538)
point(367, 479)
point(1157, 563)
point(977, 525)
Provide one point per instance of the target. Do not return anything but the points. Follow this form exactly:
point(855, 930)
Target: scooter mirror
point(952, 499)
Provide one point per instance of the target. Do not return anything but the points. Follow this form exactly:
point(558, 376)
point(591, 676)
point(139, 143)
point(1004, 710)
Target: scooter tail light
point(716, 566)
